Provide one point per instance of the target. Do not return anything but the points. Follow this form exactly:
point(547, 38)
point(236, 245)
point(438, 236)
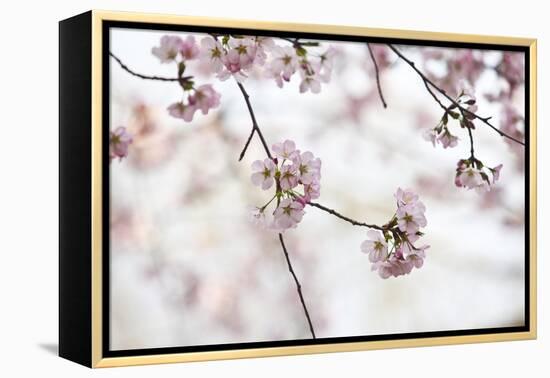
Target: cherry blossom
point(326, 63)
point(376, 247)
point(470, 178)
point(405, 197)
point(311, 191)
point(410, 217)
point(204, 98)
point(310, 82)
point(473, 174)
point(431, 135)
point(170, 47)
point(263, 46)
point(283, 65)
point(401, 232)
point(264, 173)
point(447, 139)
point(297, 181)
point(189, 49)
point(308, 167)
point(288, 177)
point(211, 54)
point(285, 150)
point(238, 58)
point(441, 135)
point(288, 214)
point(181, 110)
point(119, 140)
point(394, 266)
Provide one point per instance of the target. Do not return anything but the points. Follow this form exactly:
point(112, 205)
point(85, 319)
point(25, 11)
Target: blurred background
point(188, 268)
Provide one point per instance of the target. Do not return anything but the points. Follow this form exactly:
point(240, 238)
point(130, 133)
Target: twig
point(255, 128)
point(471, 143)
point(428, 83)
point(347, 219)
point(377, 76)
point(146, 77)
point(298, 286)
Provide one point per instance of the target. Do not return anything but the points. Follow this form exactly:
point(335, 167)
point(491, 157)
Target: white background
point(28, 200)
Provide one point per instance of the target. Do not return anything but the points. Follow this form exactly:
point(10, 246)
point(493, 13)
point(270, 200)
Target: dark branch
point(347, 219)
point(146, 77)
point(472, 157)
point(298, 286)
point(255, 128)
point(377, 72)
point(428, 83)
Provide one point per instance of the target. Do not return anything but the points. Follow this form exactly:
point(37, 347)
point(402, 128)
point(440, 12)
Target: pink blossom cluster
point(202, 98)
point(286, 61)
point(232, 56)
point(473, 174)
point(174, 49)
point(391, 249)
point(296, 177)
point(441, 133)
point(119, 140)
point(238, 56)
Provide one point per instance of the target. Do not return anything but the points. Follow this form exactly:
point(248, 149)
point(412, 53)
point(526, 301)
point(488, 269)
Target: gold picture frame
point(90, 328)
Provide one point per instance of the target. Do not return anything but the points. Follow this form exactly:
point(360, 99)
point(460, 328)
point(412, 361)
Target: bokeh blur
point(187, 266)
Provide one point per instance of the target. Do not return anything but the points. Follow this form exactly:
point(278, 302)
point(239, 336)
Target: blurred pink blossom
point(119, 140)
point(181, 110)
point(204, 98)
point(169, 48)
point(189, 49)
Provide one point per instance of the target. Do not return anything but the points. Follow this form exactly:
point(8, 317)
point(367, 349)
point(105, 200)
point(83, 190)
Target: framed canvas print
point(236, 189)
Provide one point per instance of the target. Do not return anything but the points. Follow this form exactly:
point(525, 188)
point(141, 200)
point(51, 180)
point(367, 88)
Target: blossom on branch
point(290, 170)
point(211, 52)
point(169, 48)
point(264, 173)
point(189, 49)
point(401, 233)
point(376, 246)
point(202, 98)
point(473, 174)
point(288, 214)
point(283, 65)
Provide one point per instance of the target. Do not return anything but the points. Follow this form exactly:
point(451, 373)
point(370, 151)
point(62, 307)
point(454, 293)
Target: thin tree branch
point(428, 83)
point(377, 72)
point(347, 219)
point(146, 77)
point(298, 286)
point(471, 143)
point(255, 128)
